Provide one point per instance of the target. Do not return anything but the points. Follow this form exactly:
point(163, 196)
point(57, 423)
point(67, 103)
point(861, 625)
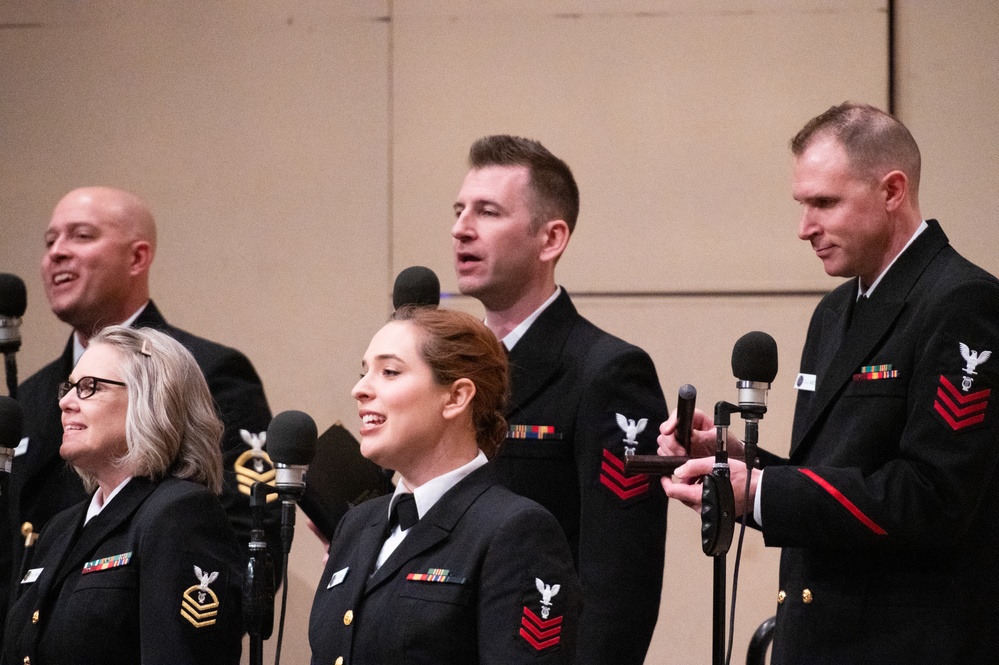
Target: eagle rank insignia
point(200, 605)
point(254, 465)
point(542, 632)
point(956, 404)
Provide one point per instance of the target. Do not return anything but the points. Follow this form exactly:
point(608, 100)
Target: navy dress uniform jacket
point(889, 536)
point(596, 395)
point(467, 585)
point(43, 484)
point(124, 589)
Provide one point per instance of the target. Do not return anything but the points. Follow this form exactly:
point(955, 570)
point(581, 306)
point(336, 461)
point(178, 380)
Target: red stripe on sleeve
point(849, 505)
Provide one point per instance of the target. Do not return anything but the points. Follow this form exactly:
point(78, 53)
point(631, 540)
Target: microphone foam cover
point(291, 438)
point(13, 297)
point(418, 286)
point(754, 357)
point(11, 422)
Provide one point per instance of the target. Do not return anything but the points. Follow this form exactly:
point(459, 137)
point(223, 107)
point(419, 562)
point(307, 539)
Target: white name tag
point(32, 575)
point(21, 447)
point(338, 577)
point(805, 382)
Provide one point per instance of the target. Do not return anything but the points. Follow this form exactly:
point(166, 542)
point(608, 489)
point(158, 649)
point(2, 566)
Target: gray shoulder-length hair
point(171, 427)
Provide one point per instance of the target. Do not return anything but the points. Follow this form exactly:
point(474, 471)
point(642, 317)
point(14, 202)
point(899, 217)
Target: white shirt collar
point(430, 492)
point(514, 335)
point(98, 502)
point(426, 495)
point(869, 291)
point(78, 347)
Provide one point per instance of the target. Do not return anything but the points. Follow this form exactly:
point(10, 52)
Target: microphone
point(291, 445)
point(11, 431)
point(13, 302)
point(754, 364)
point(417, 286)
point(663, 465)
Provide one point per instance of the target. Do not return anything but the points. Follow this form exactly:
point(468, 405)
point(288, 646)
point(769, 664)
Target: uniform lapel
point(435, 526)
point(96, 531)
point(835, 321)
point(38, 456)
point(61, 544)
point(370, 542)
point(537, 357)
point(865, 333)
point(870, 325)
point(150, 318)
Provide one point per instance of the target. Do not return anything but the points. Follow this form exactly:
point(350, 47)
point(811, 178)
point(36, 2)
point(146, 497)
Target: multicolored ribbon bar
point(532, 432)
point(435, 575)
point(107, 562)
point(872, 372)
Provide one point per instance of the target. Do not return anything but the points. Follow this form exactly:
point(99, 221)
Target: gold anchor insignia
point(254, 465)
point(200, 605)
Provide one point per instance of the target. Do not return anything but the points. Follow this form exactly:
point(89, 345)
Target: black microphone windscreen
point(754, 357)
point(418, 286)
point(11, 422)
point(13, 296)
point(291, 438)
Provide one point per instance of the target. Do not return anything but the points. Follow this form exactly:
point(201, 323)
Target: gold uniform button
point(806, 596)
point(34, 617)
point(348, 617)
point(339, 660)
point(780, 597)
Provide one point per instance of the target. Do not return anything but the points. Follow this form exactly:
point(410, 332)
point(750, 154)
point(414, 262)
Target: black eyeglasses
point(85, 387)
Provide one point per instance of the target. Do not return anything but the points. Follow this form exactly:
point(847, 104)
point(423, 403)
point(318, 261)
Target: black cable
point(735, 575)
point(750, 458)
point(10, 364)
point(284, 605)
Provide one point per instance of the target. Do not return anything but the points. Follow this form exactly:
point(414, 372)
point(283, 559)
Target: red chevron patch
point(613, 478)
point(960, 411)
point(540, 633)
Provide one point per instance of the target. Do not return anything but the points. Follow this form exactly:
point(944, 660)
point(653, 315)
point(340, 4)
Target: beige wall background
point(299, 153)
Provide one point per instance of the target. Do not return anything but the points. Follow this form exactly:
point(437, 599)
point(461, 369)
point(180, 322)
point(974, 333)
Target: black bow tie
point(404, 512)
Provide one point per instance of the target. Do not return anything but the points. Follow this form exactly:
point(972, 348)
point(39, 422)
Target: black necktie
point(404, 512)
point(860, 308)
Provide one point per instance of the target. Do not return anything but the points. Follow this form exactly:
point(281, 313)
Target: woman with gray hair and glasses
point(148, 570)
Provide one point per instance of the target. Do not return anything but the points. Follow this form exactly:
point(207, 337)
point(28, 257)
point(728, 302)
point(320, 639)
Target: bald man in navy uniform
point(99, 248)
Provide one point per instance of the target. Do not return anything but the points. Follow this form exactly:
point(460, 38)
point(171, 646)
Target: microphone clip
point(258, 581)
point(717, 498)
